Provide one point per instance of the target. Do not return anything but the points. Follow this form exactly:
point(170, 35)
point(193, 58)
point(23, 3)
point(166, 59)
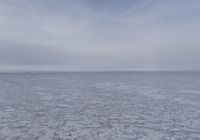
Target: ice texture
point(100, 106)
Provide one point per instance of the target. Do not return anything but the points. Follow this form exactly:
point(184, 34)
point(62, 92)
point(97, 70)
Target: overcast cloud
point(99, 34)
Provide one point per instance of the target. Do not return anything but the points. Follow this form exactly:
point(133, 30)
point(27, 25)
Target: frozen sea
point(100, 106)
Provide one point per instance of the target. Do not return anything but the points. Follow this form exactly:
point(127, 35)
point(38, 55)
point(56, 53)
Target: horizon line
point(90, 71)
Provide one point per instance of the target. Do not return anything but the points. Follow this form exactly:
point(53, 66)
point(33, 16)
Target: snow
point(100, 106)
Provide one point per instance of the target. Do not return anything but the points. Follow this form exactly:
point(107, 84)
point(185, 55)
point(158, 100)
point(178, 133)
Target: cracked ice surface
point(100, 106)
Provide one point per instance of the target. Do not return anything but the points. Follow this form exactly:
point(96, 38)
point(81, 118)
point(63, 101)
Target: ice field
point(100, 106)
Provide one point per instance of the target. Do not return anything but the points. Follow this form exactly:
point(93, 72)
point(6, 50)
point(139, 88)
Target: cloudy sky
point(99, 34)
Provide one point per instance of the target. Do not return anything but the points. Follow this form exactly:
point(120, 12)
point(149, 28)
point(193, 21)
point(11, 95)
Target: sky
point(79, 35)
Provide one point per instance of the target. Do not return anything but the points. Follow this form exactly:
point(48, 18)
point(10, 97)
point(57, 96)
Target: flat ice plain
point(100, 106)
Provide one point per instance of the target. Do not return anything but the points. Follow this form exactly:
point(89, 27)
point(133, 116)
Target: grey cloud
point(88, 35)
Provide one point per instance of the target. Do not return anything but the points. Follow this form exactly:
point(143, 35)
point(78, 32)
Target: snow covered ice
point(100, 106)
